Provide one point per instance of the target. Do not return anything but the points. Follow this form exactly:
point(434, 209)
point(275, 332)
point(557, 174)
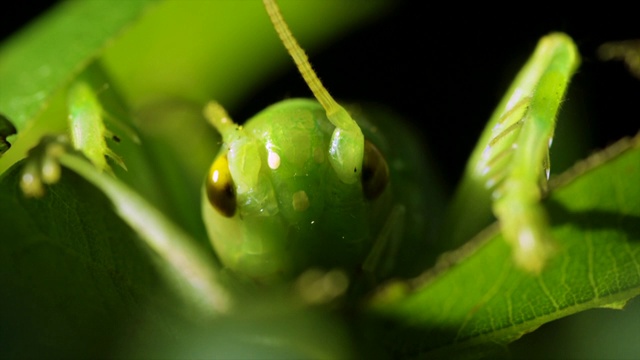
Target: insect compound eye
point(220, 187)
point(375, 171)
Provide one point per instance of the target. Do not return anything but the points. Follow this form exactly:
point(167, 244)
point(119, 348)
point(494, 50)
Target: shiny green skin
point(267, 238)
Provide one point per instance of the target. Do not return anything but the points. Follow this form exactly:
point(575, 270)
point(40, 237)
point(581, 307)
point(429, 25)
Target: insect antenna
point(335, 112)
point(346, 150)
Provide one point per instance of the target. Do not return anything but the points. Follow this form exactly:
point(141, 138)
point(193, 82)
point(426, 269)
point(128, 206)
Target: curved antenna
point(335, 112)
point(346, 149)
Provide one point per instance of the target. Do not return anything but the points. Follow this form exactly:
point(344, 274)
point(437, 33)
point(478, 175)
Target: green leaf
point(193, 267)
point(44, 57)
point(41, 60)
point(77, 283)
point(266, 324)
point(476, 296)
point(66, 262)
point(220, 50)
point(72, 244)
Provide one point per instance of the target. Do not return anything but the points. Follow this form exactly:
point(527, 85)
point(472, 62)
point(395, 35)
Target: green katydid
point(299, 186)
point(266, 227)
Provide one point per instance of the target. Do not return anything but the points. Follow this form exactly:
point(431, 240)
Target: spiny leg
point(514, 162)
point(522, 217)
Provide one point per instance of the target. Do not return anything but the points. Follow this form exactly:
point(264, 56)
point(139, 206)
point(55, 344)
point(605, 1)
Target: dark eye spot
point(220, 188)
point(375, 171)
point(6, 129)
point(116, 138)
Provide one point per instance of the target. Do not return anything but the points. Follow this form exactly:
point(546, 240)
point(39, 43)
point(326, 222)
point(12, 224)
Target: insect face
point(293, 211)
point(306, 184)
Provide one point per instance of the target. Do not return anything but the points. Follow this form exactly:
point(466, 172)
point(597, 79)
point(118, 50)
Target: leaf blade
point(66, 262)
point(42, 58)
point(478, 297)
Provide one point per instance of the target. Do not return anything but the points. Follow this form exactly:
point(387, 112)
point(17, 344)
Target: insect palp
point(42, 166)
